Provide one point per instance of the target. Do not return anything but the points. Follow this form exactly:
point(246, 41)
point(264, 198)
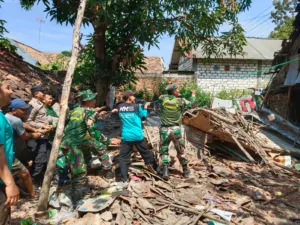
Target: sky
point(49, 36)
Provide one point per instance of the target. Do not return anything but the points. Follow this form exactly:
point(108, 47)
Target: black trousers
point(40, 154)
point(125, 153)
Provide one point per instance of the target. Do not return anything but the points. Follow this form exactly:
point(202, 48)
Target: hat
point(88, 95)
point(18, 104)
point(171, 87)
point(37, 88)
point(127, 94)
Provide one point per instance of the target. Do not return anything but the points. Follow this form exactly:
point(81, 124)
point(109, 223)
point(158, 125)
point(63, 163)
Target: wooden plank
point(242, 148)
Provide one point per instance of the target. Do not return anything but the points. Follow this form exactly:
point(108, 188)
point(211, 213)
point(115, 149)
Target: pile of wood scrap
point(233, 129)
point(226, 192)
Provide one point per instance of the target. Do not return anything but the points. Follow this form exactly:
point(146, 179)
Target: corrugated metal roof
point(25, 55)
point(256, 48)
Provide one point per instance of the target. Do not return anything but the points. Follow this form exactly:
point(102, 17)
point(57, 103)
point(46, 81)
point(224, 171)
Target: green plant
point(233, 94)
point(4, 43)
point(147, 94)
point(139, 94)
point(159, 89)
point(203, 98)
point(283, 17)
point(130, 86)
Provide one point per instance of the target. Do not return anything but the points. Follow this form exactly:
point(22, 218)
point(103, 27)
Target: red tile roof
point(22, 76)
point(42, 57)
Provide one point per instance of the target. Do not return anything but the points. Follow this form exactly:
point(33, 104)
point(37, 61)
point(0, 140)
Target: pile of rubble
point(234, 180)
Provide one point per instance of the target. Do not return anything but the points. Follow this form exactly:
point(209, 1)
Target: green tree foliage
point(123, 27)
point(283, 17)
point(3, 41)
point(61, 62)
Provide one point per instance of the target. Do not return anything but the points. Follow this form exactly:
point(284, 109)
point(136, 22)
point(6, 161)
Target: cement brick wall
point(245, 77)
point(185, 64)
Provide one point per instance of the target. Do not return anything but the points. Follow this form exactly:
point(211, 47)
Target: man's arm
point(31, 129)
point(143, 112)
point(11, 190)
point(190, 103)
point(93, 131)
point(21, 132)
point(31, 119)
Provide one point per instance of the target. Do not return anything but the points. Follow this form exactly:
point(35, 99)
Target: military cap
point(88, 95)
point(37, 88)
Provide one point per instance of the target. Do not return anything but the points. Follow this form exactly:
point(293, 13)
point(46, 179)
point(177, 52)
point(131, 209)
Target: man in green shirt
point(82, 138)
point(172, 107)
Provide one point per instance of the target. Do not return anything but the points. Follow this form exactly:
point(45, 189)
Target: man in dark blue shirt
point(132, 133)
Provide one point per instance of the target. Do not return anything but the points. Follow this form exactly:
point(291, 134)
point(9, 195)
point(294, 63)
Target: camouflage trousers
point(76, 158)
point(168, 134)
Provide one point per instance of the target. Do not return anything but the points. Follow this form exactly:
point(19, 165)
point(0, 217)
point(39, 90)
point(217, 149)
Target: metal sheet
point(293, 75)
point(278, 124)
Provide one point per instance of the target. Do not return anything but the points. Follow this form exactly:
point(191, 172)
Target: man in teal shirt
point(9, 192)
point(132, 133)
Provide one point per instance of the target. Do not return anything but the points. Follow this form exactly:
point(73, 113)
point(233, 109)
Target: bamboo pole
point(43, 200)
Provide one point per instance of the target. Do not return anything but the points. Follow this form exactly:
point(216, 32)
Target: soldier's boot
point(165, 172)
point(186, 171)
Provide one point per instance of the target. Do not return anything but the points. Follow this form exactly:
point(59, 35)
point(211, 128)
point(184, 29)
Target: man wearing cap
point(17, 110)
point(131, 115)
point(9, 192)
point(172, 106)
point(77, 99)
point(40, 148)
point(82, 138)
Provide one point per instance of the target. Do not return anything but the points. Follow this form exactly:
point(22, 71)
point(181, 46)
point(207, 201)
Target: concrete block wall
point(241, 75)
point(185, 64)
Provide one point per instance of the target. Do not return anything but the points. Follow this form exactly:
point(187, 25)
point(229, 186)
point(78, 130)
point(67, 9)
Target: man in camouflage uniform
point(78, 100)
point(172, 107)
point(82, 138)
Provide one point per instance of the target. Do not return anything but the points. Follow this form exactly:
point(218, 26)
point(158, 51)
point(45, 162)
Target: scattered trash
point(223, 214)
point(214, 223)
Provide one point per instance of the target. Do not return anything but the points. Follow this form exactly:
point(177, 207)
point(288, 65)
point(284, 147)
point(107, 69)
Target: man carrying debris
point(17, 110)
point(9, 192)
point(40, 148)
point(132, 133)
point(172, 107)
point(82, 138)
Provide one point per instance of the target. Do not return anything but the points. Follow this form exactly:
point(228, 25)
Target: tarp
point(293, 75)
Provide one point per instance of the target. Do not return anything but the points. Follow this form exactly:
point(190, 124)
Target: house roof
point(255, 49)
point(39, 57)
point(154, 64)
point(22, 75)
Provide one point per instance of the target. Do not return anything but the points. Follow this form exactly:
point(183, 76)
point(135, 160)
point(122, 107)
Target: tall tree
point(121, 27)
point(283, 17)
point(43, 200)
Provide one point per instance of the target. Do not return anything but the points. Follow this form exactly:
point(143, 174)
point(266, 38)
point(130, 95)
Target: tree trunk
point(102, 88)
point(43, 200)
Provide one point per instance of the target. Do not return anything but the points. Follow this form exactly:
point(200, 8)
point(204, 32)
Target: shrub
point(129, 86)
point(233, 94)
point(203, 98)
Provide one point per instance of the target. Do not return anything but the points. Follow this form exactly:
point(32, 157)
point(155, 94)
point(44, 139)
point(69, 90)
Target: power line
point(254, 24)
point(258, 25)
point(259, 15)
